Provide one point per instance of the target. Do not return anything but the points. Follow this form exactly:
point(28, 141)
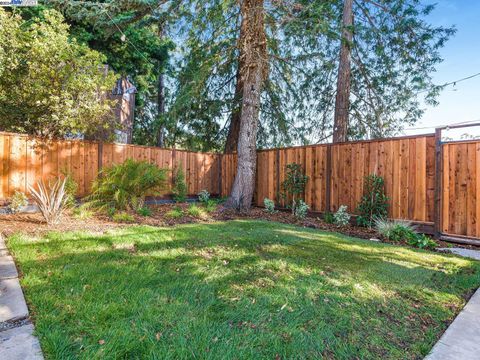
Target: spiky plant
point(50, 199)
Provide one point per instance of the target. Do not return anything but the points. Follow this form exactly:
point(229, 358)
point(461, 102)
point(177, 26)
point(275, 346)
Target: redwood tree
point(252, 44)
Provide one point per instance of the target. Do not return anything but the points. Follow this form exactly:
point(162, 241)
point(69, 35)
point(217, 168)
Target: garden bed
point(236, 289)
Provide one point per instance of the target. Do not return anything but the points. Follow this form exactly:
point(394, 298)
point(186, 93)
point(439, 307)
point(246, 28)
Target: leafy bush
point(301, 210)
point(71, 188)
point(422, 241)
point(50, 200)
point(175, 213)
point(396, 230)
point(341, 218)
point(328, 217)
point(195, 211)
point(374, 202)
point(144, 211)
point(125, 186)
point(179, 190)
point(203, 196)
point(210, 206)
point(83, 212)
point(123, 217)
point(269, 206)
point(18, 201)
point(294, 184)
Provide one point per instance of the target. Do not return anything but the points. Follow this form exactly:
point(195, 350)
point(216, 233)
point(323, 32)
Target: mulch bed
point(33, 224)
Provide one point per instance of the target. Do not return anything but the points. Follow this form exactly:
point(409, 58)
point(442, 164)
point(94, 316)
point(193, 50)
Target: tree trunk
point(234, 129)
point(342, 100)
point(160, 98)
point(253, 53)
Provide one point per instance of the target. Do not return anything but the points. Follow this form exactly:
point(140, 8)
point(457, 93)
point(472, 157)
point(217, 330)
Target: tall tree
point(252, 45)
point(342, 99)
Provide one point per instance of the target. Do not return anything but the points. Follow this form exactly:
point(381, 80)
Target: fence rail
point(336, 173)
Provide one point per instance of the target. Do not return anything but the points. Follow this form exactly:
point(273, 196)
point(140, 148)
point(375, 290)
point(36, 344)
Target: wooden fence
point(426, 181)
point(25, 160)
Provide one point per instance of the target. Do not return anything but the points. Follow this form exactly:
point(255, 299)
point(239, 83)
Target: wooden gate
point(458, 177)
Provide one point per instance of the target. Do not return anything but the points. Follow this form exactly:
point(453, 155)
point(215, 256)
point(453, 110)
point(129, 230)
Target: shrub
point(374, 202)
point(123, 217)
point(294, 184)
point(18, 201)
point(50, 200)
point(195, 211)
point(125, 186)
point(269, 206)
point(179, 190)
point(203, 196)
point(175, 213)
point(71, 188)
point(210, 206)
point(328, 217)
point(396, 230)
point(144, 211)
point(422, 241)
point(83, 212)
point(341, 218)
point(301, 210)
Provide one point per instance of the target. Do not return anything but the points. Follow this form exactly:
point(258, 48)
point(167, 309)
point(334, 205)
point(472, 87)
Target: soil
point(33, 224)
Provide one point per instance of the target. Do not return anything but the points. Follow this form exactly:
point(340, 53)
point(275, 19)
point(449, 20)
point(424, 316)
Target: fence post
point(328, 177)
point(277, 177)
point(438, 183)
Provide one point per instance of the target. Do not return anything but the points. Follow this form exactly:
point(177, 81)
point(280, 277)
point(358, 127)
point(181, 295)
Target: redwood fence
point(426, 181)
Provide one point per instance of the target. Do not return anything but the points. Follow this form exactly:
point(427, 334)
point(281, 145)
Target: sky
point(461, 56)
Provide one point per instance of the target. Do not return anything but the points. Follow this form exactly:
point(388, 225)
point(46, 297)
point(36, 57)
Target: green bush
point(123, 217)
point(269, 206)
point(82, 212)
point(341, 218)
point(301, 210)
point(328, 217)
point(175, 213)
point(374, 202)
point(125, 186)
point(396, 230)
point(294, 184)
point(179, 190)
point(71, 188)
point(19, 200)
point(210, 206)
point(422, 241)
point(144, 211)
point(195, 211)
point(203, 196)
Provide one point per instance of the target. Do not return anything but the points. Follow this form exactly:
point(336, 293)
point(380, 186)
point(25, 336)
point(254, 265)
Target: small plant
point(269, 206)
point(144, 211)
point(123, 217)
point(328, 217)
point(124, 186)
point(374, 202)
point(195, 211)
point(294, 184)
point(210, 206)
point(50, 200)
point(71, 188)
point(179, 189)
point(19, 200)
point(396, 230)
point(83, 212)
point(203, 196)
point(175, 213)
point(422, 241)
point(341, 218)
point(301, 210)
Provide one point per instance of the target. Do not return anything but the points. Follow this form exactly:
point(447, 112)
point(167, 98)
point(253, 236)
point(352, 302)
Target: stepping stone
point(7, 268)
point(20, 344)
point(472, 254)
point(12, 302)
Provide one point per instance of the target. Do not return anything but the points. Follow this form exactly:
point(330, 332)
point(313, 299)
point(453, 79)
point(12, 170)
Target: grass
point(196, 211)
point(123, 217)
point(237, 290)
point(175, 213)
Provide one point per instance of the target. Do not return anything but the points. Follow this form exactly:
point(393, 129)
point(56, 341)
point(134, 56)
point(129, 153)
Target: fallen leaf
point(101, 342)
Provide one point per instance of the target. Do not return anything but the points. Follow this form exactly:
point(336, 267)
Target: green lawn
point(237, 290)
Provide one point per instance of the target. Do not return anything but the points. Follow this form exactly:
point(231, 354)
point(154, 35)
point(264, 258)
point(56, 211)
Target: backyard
point(236, 289)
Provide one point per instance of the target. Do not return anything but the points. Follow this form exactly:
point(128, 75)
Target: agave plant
point(50, 199)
